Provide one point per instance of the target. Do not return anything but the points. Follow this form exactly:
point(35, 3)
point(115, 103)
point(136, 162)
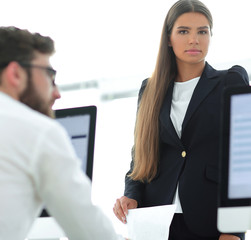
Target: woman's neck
point(189, 71)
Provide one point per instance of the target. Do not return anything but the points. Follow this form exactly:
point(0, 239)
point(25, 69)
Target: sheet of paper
point(150, 223)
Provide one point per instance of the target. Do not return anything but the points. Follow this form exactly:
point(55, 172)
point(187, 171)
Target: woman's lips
point(193, 51)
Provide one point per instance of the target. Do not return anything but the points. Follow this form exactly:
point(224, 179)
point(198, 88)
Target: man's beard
point(31, 98)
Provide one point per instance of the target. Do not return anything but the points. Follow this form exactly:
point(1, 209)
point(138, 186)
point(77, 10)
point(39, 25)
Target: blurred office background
point(105, 48)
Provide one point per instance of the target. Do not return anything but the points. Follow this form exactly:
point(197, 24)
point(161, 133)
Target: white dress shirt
point(182, 93)
point(39, 166)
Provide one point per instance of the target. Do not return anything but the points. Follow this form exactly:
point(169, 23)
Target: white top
point(182, 93)
point(39, 166)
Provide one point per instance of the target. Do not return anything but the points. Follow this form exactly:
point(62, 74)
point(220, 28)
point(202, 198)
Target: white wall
point(115, 42)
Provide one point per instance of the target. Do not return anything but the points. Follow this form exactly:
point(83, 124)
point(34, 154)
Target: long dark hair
point(146, 134)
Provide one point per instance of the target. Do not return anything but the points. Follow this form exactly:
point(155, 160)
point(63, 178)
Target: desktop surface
point(47, 229)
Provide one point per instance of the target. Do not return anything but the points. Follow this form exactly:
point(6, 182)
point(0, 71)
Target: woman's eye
point(182, 31)
point(202, 32)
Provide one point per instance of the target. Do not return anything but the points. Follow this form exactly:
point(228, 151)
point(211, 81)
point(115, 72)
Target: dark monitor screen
point(80, 124)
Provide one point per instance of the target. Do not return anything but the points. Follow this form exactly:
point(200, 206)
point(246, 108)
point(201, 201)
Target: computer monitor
point(234, 210)
point(80, 123)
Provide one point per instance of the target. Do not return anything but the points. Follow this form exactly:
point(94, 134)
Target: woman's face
point(190, 38)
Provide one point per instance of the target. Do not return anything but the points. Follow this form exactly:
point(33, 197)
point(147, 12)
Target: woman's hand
point(228, 237)
point(121, 207)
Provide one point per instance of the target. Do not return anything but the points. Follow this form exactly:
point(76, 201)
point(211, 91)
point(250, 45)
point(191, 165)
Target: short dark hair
point(20, 45)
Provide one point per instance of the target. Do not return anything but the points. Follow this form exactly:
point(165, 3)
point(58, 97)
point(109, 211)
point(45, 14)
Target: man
point(37, 162)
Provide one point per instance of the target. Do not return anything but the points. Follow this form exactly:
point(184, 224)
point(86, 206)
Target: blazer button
point(183, 154)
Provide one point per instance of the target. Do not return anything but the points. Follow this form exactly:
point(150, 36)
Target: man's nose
point(56, 94)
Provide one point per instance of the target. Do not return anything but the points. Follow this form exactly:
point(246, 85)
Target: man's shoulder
point(32, 119)
point(41, 121)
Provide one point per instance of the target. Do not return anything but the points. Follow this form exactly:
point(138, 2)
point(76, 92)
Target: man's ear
point(15, 75)
point(13, 80)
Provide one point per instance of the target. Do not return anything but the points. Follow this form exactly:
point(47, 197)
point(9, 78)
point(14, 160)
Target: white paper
point(150, 223)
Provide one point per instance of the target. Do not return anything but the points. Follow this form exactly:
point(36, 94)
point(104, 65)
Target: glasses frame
point(49, 70)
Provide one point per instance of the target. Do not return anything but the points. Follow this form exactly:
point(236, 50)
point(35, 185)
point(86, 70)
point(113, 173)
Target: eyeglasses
point(49, 71)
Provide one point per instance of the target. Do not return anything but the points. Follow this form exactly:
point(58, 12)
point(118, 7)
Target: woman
point(175, 156)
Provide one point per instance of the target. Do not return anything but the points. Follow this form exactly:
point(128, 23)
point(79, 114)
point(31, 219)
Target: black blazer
point(192, 160)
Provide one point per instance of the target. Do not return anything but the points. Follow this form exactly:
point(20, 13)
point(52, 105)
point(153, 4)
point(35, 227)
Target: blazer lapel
point(206, 84)
point(165, 119)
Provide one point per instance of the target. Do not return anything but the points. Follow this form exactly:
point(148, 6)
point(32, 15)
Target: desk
point(46, 228)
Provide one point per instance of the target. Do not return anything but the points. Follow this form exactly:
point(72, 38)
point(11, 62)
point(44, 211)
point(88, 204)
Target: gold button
point(183, 154)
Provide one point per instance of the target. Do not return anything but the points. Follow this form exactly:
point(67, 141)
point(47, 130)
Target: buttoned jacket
point(192, 161)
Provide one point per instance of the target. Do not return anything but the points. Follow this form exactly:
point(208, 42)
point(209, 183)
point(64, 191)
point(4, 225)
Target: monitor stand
point(234, 219)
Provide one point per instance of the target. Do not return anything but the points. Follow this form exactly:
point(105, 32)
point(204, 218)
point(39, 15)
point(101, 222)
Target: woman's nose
point(193, 39)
